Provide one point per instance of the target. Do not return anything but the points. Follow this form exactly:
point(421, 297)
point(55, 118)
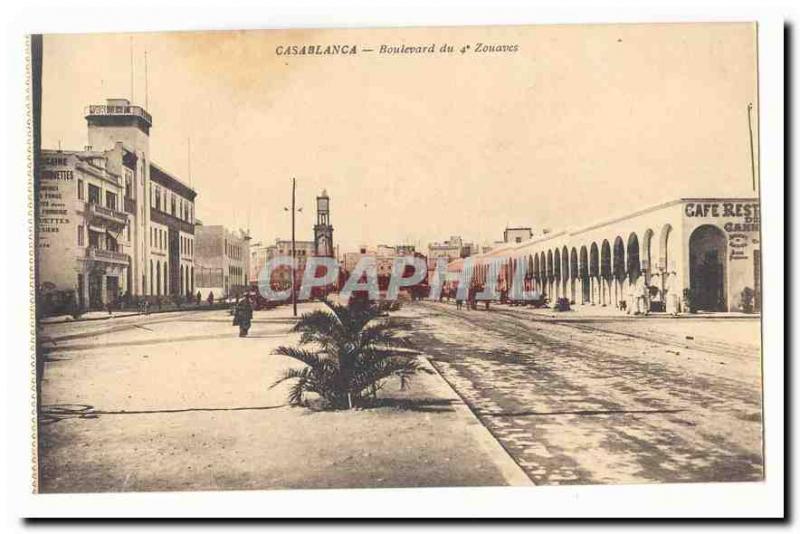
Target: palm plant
point(348, 352)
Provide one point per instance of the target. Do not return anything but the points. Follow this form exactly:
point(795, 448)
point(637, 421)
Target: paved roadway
point(607, 400)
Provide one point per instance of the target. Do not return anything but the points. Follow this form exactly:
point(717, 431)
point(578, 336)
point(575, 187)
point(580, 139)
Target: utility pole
point(146, 88)
point(752, 156)
point(294, 273)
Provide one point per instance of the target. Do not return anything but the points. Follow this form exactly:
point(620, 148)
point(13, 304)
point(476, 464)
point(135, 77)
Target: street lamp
point(294, 254)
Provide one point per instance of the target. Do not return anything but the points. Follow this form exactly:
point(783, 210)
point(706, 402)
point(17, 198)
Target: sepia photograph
point(419, 257)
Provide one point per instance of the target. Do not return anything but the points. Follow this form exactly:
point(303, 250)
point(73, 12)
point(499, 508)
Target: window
point(80, 235)
point(111, 200)
point(158, 198)
point(128, 230)
point(128, 181)
point(94, 239)
point(80, 189)
point(172, 204)
point(94, 194)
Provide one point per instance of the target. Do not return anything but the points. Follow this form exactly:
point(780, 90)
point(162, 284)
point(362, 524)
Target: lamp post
point(752, 156)
point(294, 252)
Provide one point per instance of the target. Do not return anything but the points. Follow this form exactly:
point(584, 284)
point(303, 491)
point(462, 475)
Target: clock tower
point(323, 231)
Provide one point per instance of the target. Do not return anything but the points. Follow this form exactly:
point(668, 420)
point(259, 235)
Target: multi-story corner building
point(83, 234)
point(222, 260)
point(141, 246)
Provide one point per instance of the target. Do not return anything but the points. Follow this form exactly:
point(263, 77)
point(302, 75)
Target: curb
point(132, 314)
point(511, 471)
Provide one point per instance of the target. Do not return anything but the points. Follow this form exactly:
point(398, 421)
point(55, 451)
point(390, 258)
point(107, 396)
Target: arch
point(605, 259)
point(646, 250)
point(557, 265)
point(574, 268)
point(708, 250)
point(594, 260)
point(619, 258)
point(583, 266)
point(536, 273)
point(663, 249)
point(549, 264)
point(565, 272)
point(634, 264)
point(158, 277)
point(543, 265)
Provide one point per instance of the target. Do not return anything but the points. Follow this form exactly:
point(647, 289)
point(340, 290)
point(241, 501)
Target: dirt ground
point(608, 400)
point(180, 402)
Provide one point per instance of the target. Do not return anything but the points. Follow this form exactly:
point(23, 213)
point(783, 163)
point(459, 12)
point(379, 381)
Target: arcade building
point(703, 252)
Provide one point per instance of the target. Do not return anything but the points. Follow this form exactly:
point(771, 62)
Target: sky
point(581, 123)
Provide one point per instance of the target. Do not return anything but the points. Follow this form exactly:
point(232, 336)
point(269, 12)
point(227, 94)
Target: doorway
point(707, 268)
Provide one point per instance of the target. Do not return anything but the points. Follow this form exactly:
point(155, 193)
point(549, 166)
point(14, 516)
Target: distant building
point(222, 260)
point(406, 250)
point(517, 235)
point(384, 257)
point(281, 275)
point(451, 249)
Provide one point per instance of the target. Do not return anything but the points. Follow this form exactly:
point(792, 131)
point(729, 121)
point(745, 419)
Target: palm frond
point(290, 374)
point(310, 358)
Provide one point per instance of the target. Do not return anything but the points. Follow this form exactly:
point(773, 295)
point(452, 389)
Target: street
point(177, 401)
point(610, 400)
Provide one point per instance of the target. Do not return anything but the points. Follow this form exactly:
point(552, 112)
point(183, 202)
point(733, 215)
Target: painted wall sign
point(749, 211)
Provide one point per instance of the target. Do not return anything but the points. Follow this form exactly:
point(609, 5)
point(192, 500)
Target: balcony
point(107, 256)
point(98, 213)
point(104, 110)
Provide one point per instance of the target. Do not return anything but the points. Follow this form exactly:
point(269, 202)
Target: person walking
point(210, 299)
point(198, 298)
point(643, 296)
point(671, 293)
point(243, 316)
point(632, 302)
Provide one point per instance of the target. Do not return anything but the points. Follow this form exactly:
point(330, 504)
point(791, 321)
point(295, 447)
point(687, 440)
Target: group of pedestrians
point(640, 297)
point(638, 302)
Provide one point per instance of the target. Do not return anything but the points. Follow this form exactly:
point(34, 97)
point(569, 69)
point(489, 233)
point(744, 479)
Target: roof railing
point(104, 109)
